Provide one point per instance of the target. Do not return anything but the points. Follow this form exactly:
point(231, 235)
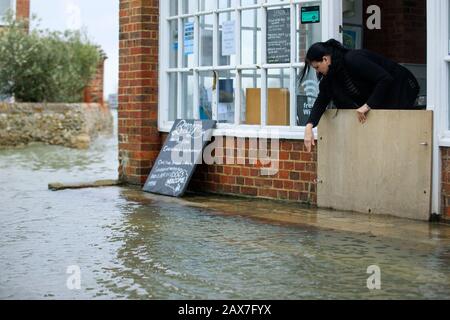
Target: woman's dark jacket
point(365, 77)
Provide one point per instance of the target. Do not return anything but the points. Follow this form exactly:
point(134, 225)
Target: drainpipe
point(437, 77)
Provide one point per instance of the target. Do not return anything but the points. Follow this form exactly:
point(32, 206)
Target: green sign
point(310, 14)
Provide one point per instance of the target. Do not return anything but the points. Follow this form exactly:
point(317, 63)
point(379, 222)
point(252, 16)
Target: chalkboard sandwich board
point(182, 151)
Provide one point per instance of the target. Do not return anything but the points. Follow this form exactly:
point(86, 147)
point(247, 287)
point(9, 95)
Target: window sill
point(444, 139)
point(444, 142)
point(244, 131)
point(447, 58)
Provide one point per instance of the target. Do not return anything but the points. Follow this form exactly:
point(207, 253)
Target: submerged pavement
point(293, 214)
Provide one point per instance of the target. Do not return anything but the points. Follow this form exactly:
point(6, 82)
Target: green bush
point(44, 66)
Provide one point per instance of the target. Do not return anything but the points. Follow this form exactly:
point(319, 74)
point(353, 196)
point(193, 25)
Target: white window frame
point(437, 67)
point(331, 11)
point(13, 7)
point(438, 78)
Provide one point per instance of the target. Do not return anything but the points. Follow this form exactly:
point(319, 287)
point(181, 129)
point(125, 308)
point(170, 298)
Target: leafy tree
point(45, 66)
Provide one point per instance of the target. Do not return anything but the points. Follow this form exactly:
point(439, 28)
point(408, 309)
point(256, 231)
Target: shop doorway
point(399, 33)
point(384, 166)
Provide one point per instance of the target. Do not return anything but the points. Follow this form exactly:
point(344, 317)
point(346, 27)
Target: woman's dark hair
point(319, 50)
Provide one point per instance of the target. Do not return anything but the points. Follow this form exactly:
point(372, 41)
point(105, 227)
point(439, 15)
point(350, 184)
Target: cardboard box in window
point(278, 107)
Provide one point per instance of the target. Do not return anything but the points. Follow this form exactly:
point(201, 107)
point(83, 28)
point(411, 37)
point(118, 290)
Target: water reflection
point(172, 250)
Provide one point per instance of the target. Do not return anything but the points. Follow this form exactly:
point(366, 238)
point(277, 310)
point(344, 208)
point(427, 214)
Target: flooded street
point(132, 245)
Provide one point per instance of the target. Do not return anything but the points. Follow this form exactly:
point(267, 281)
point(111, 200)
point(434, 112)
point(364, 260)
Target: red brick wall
point(139, 139)
point(445, 153)
point(295, 180)
point(94, 92)
point(23, 9)
point(403, 35)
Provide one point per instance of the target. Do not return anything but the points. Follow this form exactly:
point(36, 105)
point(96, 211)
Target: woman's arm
point(317, 111)
point(320, 105)
point(309, 137)
point(362, 113)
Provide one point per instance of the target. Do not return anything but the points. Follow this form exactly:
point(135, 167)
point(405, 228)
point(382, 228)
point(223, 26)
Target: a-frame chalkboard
point(179, 156)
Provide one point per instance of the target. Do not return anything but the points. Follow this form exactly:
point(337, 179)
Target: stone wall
point(70, 125)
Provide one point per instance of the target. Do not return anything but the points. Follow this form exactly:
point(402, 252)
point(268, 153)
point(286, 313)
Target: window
point(237, 62)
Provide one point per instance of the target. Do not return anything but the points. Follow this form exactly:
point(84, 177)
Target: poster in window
point(188, 38)
point(310, 14)
point(206, 58)
point(352, 36)
point(228, 38)
point(305, 100)
point(226, 90)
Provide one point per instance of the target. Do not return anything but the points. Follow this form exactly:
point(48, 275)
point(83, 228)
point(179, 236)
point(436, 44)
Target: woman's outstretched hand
point(362, 113)
point(309, 137)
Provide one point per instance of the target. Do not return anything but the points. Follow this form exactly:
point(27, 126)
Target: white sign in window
point(188, 38)
point(228, 38)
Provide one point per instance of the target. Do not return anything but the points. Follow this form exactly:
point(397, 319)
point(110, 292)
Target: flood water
point(131, 245)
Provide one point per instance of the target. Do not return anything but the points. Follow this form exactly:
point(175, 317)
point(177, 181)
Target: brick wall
point(403, 35)
point(23, 9)
point(445, 154)
point(295, 180)
point(93, 93)
point(139, 139)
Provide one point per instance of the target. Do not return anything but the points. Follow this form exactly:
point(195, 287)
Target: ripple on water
point(129, 246)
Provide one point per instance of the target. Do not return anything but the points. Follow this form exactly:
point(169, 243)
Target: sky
point(100, 19)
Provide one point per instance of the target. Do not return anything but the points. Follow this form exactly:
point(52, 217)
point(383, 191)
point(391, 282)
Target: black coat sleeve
point(366, 69)
point(320, 105)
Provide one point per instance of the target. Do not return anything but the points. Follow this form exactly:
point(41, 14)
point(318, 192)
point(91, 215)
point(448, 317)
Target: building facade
point(182, 59)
